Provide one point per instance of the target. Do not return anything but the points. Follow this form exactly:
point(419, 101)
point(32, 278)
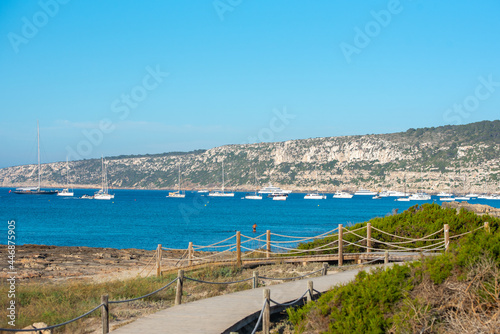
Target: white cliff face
point(373, 161)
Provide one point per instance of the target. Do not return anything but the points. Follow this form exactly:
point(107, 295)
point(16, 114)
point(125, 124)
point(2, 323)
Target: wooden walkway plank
point(229, 312)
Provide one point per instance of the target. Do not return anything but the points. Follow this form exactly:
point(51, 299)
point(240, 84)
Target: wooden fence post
point(341, 244)
point(190, 253)
point(266, 317)
point(238, 249)
point(324, 272)
point(386, 258)
point(487, 227)
point(105, 314)
point(446, 237)
point(368, 237)
point(310, 290)
point(255, 280)
point(158, 261)
point(180, 283)
point(268, 243)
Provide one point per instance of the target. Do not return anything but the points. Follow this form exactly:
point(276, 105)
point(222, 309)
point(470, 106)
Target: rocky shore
point(61, 263)
point(479, 209)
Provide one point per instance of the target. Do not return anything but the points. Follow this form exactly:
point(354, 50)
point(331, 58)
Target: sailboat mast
point(38, 144)
point(222, 175)
point(102, 177)
point(67, 172)
point(179, 178)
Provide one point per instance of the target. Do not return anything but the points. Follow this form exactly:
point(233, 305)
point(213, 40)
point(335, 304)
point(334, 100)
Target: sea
point(145, 218)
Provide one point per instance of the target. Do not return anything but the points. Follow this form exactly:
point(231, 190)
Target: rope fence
point(190, 257)
point(264, 249)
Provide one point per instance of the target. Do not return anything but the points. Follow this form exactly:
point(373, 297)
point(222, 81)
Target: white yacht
point(462, 198)
point(444, 194)
point(365, 192)
point(447, 199)
point(472, 195)
point(393, 193)
point(65, 192)
point(342, 194)
point(278, 197)
point(493, 197)
point(221, 193)
point(270, 189)
point(103, 193)
point(254, 196)
point(420, 197)
point(203, 191)
point(178, 193)
point(315, 196)
point(217, 193)
point(403, 199)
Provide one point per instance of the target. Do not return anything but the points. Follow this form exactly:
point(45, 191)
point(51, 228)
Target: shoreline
point(43, 263)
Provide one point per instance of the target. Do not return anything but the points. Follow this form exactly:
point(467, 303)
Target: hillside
point(431, 159)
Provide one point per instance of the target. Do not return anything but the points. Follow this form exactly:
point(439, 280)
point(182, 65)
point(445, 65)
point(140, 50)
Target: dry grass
point(56, 303)
point(471, 305)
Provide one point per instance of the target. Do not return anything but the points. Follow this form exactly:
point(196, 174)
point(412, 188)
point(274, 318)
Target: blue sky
point(123, 77)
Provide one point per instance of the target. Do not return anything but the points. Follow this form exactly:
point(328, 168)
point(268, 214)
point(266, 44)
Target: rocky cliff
point(460, 158)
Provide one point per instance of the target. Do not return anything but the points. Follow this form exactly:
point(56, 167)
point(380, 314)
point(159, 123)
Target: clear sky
point(133, 77)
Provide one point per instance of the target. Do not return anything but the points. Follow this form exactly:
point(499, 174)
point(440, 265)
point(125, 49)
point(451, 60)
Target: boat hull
point(253, 197)
point(221, 194)
point(104, 196)
point(35, 192)
point(314, 196)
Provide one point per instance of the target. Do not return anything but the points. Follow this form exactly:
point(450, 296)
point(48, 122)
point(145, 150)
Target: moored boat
point(103, 193)
point(365, 192)
point(314, 196)
point(342, 194)
point(178, 193)
point(35, 190)
point(221, 193)
point(270, 189)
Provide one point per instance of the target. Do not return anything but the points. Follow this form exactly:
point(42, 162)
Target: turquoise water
point(144, 218)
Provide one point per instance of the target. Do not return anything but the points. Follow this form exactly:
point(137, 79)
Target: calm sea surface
point(145, 218)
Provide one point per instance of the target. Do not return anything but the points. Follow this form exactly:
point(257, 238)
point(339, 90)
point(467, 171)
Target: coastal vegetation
point(458, 291)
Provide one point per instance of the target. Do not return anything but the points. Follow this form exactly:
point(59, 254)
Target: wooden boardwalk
point(231, 312)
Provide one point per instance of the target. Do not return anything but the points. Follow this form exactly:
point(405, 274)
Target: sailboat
point(221, 193)
point(315, 195)
point(103, 193)
point(65, 191)
point(254, 196)
point(178, 193)
point(35, 190)
point(405, 197)
point(463, 198)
